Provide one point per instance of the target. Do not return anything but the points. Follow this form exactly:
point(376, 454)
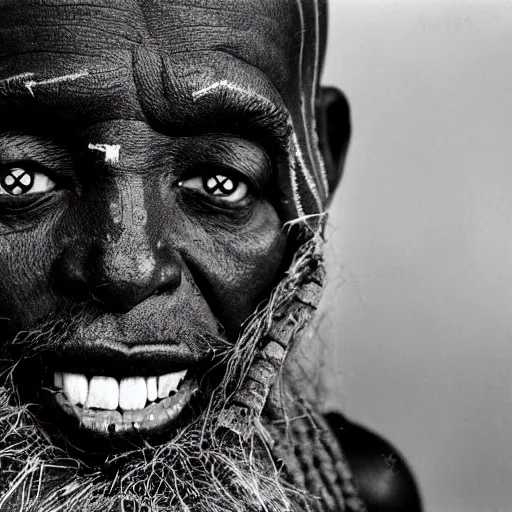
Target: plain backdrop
point(418, 315)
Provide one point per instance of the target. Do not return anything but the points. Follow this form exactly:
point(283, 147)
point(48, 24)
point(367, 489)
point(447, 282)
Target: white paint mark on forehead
point(30, 84)
point(13, 78)
point(111, 151)
point(224, 84)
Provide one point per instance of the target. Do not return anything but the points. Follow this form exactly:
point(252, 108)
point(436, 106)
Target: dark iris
point(218, 184)
point(17, 181)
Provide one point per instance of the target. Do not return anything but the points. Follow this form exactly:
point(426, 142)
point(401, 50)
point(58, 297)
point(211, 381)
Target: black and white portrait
point(254, 256)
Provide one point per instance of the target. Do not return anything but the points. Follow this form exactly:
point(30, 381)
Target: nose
point(121, 265)
point(119, 276)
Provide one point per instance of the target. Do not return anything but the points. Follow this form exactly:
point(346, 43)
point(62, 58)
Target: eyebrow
point(231, 109)
point(232, 152)
point(18, 101)
point(238, 107)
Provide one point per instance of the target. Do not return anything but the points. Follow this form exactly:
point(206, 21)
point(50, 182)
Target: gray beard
point(200, 469)
point(196, 471)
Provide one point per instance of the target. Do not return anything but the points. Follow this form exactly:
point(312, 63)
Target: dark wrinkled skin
point(159, 267)
point(158, 260)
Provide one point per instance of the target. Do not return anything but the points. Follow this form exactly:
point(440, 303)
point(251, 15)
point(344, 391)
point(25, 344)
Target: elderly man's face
point(140, 154)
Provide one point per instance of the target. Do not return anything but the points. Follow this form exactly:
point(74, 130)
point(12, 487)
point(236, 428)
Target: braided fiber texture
point(313, 460)
point(302, 442)
point(258, 446)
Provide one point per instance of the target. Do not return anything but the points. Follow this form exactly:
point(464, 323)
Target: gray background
point(418, 314)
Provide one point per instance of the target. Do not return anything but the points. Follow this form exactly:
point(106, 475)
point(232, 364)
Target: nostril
point(69, 275)
point(118, 297)
point(117, 278)
point(169, 275)
point(119, 282)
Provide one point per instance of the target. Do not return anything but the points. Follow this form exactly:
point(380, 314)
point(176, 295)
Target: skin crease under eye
point(41, 184)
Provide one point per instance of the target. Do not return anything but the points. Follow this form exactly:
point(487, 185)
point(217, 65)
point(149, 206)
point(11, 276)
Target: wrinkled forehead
point(182, 43)
point(179, 64)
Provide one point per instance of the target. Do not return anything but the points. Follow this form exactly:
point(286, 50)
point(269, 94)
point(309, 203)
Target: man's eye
point(21, 182)
point(219, 186)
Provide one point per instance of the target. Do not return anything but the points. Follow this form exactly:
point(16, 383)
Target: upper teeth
point(130, 393)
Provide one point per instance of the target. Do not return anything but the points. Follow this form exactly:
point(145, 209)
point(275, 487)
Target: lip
point(119, 360)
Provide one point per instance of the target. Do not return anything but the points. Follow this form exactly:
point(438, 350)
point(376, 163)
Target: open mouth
point(110, 406)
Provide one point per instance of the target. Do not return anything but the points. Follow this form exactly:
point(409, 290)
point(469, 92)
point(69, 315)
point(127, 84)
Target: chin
point(98, 443)
point(92, 403)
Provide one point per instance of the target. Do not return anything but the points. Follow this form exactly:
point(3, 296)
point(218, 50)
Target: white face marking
point(30, 84)
point(17, 77)
point(111, 151)
point(307, 176)
point(295, 154)
point(323, 174)
point(312, 149)
point(224, 84)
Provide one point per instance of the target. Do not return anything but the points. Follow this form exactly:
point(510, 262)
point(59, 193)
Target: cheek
point(25, 265)
point(238, 266)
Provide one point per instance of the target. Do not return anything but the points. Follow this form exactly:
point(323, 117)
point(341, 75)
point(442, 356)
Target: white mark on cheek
point(305, 171)
point(159, 244)
point(111, 151)
point(30, 84)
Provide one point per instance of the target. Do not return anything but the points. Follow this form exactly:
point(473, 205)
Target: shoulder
point(384, 481)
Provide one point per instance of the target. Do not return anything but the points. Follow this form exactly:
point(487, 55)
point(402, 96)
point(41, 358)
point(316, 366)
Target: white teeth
point(103, 393)
point(57, 380)
point(129, 394)
point(169, 382)
point(152, 385)
point(132, 393)
point(75, 387)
